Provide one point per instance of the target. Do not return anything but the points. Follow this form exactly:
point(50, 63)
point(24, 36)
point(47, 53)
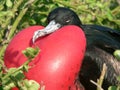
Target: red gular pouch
point(60, 58)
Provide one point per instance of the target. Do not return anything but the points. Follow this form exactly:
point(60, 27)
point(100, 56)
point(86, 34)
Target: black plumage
point(101, 43)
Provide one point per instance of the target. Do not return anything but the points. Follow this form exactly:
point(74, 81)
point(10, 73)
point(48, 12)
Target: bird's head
point(58, 18)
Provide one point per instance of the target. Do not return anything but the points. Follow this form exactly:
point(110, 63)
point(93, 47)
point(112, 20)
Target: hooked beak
point(51, 27)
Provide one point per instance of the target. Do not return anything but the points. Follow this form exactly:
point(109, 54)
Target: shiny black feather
point(101, 43)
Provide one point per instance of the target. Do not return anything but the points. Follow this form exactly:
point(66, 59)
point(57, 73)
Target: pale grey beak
point(51, 27)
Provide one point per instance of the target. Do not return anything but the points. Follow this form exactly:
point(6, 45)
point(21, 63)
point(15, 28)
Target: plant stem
point(14, 9)
point(2, 50)
point(8, 20)
point(116, 11)
point(98, 86)
point(78, 11)
point(17, 69)
point(17, 21)
point(100, 81)
point(15, 24)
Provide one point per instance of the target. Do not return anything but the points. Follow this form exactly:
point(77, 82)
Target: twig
point(100, 88)
point(17, 21)
point(2, 50)
point(79, 10)
point(100, 80)
point(6, 24)
point(15, 24)
point(14, 9)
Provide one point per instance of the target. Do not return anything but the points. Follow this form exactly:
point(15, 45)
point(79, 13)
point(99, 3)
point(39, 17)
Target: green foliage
point(115, 87)
point(18, 14)
point(12, 77)
point(117, 54)
point(30, 52)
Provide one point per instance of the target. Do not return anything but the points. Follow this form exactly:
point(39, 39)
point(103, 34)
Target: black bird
point(101, 43)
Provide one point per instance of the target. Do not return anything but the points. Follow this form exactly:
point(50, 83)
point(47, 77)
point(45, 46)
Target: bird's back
point(101, 43)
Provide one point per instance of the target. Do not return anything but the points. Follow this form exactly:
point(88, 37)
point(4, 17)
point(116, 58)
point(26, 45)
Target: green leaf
point(12, 72)
point(9, 3)
point(2, 6)
point(117, 54)
point(1, 88)
point(112, 88)
point(109, 15)
point(118, 78)
point(26, 68)
point(8, 86)
point(19, 75)
point(31, 52)
point(31, 84)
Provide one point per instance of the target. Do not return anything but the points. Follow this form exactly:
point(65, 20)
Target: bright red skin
point(59, 60)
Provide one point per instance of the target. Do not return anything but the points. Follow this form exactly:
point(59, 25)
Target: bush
point(18, 14)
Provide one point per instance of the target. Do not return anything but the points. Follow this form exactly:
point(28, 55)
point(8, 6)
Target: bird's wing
point(100, 57)
point(103, 37)
point(93, 64)
point(101, 43)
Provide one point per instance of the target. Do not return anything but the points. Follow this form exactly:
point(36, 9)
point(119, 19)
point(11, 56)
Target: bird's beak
point(51, 27)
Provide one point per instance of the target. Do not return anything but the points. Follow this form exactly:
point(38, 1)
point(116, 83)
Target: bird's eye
point(67, 21)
